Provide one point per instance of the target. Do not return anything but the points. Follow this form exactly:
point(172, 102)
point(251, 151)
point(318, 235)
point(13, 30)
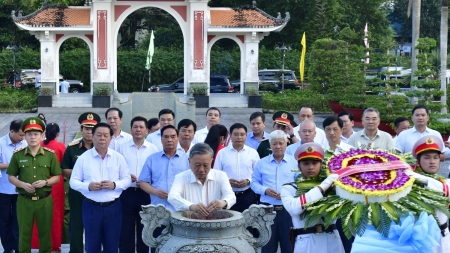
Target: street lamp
point(283, 49)
point(14, 48)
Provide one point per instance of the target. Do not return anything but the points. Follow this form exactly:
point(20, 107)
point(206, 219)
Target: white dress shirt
point(121, 138)
point(343, 147)
point(406, 139)
point(237, 164)
point(187, 190)
point(320, 135)
point(182, 149)
point(155, 139)
point(90, 167)
point(136, 157)
point(200, 135)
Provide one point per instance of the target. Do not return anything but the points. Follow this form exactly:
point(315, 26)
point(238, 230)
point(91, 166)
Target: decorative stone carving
point(224, 231)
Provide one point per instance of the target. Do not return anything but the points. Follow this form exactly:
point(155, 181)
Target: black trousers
point(132, 199)
point(244, 200)
point(280, 233)
point(346, 242)
point(9, 228)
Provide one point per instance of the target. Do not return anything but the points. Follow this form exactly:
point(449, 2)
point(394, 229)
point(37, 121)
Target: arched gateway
point(99, 23)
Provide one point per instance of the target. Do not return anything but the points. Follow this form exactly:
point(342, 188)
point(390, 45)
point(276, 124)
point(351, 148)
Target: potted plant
point(254, 98)
point(45, 98)
point(102, 96)
point(200, 94)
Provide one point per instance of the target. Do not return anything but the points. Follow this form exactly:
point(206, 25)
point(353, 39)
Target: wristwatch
point(46, 182)
point(292, 136)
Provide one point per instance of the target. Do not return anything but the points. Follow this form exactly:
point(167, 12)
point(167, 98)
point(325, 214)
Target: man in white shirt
point(166, 117)
point(258, 123)
point(371, 135)
point(333, 129)
point(114, 119)
point(406, 139)
point(37, 79)
point(347, 130)
point(238, 161)
point(201, 189)
point(101, 174)
point(400, 124)
point(307, 132)
point(186, 131)
point(64, 86)
point(306, 112)
point(212, 118)
point(135, 152)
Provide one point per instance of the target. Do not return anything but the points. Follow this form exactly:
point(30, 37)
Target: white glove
point(328, 181)
point(421, 178)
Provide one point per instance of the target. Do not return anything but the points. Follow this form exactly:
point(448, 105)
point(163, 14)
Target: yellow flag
point(302, 58)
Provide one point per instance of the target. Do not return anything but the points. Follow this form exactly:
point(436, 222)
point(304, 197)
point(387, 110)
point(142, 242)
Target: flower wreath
point(372, 189)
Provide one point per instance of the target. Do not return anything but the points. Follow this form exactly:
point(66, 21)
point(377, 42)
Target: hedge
point(167, 65)
point(292, 100)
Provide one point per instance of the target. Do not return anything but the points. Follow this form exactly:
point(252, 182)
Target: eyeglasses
point(166, 120)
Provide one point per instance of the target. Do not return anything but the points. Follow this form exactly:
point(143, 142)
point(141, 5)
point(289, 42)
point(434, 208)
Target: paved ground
point(69, 127)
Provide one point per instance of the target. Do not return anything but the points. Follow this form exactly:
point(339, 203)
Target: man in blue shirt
point(9, 230)
point(258, 123)
point(269, 175)
point(160, 170)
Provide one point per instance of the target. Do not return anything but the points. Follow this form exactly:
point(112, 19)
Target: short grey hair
point(277, 134)
point(306, 121)
point(201, 149)
point(371, 109)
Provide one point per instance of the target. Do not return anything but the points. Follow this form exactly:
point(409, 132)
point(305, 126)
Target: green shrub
point(292, 100)
point(198, 89)
point(46, 91)
point(13, 100)
point(252, 91)
point(102, 90)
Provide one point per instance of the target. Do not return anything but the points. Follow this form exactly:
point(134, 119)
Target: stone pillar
point(251, 51)
point(103, 44)
point(198, 15)
point(49, 75)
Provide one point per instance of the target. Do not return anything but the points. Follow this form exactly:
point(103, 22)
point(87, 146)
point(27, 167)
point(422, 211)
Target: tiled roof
point(250, 17)
point(52, 16)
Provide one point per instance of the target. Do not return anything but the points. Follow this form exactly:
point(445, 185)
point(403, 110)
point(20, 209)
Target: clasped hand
point(207, 210)
point(105, 184)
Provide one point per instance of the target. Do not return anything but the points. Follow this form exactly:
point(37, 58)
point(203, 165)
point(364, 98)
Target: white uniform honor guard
point(316, 238)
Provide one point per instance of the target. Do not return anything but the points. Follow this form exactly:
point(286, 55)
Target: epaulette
point(265, 139)
point(17, 150)
point(293, 184)
point(49, 150)
point(73, 143)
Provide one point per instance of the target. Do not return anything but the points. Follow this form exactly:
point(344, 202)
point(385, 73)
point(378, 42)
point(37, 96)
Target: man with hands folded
point(101, 174)
point(201, 189)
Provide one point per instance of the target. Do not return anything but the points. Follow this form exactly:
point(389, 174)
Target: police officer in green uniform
point(33, 170)
point(284, 121)
point(75, 149)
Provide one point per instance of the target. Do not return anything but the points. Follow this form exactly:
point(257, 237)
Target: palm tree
point(443, 49)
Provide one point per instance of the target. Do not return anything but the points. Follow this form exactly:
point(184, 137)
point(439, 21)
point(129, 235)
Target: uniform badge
point(32, 121)
point(310, 150)
point(90, 117)
point(284, 116)
point(429, 141)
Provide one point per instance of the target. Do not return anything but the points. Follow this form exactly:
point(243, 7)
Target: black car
point(25, 79)
point(271, 80)
point(217, 84)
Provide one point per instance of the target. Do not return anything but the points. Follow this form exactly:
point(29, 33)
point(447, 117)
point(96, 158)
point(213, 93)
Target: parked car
point(25, 79)
point(217, 84)
point(271, 80)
